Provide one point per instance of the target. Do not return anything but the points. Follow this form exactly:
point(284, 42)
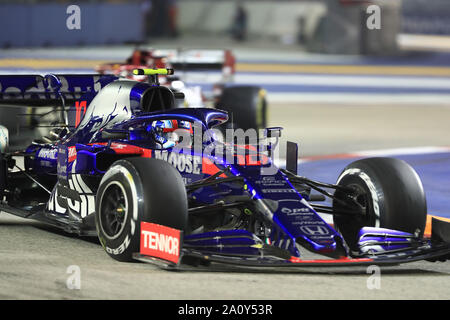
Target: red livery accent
point(146, 153)
point(122, 148)
point(160, 242)
point(208, 167)
point(79, 105)
point(72, 153)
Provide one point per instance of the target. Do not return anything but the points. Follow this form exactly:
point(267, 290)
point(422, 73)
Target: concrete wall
point(265, 18)
point(344, 29)
point(329, 26)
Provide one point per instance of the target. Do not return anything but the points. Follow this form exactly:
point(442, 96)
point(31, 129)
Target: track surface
point(34, 259)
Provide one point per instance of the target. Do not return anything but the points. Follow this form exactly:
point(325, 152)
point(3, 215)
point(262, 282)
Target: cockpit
point(171, 133)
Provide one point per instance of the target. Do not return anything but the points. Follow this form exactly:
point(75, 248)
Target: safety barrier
point(56, 24)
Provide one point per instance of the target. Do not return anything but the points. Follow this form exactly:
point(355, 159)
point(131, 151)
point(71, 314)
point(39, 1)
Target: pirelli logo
point(160, 242)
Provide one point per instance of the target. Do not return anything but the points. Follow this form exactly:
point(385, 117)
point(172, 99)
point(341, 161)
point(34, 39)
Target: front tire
point(391, 192)
point(137, 190)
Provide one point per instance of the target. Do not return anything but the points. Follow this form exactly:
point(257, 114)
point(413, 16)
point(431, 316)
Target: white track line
point(358, 98)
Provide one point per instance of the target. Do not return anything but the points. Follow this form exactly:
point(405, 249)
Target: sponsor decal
point(271, 181)
point(160, 242)
point(308, 222)
point(121, 148)
point(185, 163)
point(50, 154)
point(80, 109)
point(314, 230)
point(72, 153)
point(278, 191)
point(295, 211)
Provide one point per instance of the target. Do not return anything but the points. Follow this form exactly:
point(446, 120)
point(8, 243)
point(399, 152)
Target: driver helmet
point(164, 131)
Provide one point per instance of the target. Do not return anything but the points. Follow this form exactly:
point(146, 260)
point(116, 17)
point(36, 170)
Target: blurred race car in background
point(246, 104)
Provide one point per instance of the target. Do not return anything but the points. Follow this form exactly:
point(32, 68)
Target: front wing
point(240, 249)
point(436, 254)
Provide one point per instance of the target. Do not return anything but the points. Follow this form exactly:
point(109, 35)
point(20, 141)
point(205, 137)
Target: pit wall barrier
point(33, 25)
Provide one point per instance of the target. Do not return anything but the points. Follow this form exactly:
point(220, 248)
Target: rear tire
point(136, 190)
point(391, 191)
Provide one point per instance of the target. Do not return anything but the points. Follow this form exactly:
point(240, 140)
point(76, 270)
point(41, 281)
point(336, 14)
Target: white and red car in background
point(215, 67)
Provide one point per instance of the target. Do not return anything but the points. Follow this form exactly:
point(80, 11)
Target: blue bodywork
point(107, 119)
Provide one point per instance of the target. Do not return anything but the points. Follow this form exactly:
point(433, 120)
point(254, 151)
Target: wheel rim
point(349, 226)
point(363, 198)
point(113, 210)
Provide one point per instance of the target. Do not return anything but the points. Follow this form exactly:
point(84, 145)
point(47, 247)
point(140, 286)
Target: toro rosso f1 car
point(113, 168)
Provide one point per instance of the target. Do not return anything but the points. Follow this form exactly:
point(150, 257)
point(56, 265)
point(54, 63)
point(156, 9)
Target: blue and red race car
point(158, 184)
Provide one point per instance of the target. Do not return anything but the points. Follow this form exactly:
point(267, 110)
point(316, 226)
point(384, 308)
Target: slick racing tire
point(391, 192)
point(136, 190)
point(246, 106)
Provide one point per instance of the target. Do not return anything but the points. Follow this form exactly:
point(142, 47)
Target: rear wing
point(195, 59)
point(49, 90)
point(65, 93)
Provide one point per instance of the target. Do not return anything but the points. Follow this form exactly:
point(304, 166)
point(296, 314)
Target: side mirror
point(53, 82)
point(292, 157)
point(273, 132)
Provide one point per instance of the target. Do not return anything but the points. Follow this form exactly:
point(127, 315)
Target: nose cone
point(295, 221)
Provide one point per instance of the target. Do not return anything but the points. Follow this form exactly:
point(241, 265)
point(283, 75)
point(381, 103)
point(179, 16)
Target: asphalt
point(37, 263)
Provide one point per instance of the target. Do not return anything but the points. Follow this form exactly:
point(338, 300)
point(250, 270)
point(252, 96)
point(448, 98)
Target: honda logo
point(314, 230)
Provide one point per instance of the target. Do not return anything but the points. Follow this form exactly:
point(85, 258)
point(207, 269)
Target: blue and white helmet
point(163, 131)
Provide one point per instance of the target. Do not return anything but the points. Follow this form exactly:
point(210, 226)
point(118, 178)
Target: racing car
point(156, 183)
point(246, 104)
